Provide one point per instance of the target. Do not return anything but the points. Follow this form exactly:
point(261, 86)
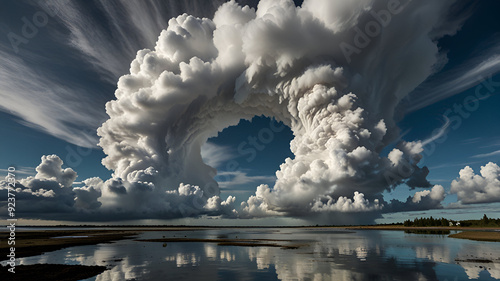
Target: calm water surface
point(326, 254)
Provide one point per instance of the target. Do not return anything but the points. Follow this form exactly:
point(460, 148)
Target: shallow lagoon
point(325, 254)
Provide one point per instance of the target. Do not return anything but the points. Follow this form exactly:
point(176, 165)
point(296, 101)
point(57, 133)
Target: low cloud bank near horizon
point(53, 193)
point(313, 67)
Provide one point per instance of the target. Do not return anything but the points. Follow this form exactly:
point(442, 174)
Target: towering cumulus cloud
point(333, 71)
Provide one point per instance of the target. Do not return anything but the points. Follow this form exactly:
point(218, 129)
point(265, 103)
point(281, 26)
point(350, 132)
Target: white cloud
point(136, 24)
point(279, 61)
point(215, 155)
point(106, 35)
point(487, 154)
point(256, 205)
point(51, 191)
point(471, 73)
point(436, 194)
point(237, 178)
point(51, 168)
point(344, 204)
point(44, 103)
point(218, 207)
point(25, 171)
point(472, 188)
point(421, 200)
point(440, 132)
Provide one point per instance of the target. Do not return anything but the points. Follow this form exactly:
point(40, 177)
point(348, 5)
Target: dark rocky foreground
point(32, 243)
point(46, 272)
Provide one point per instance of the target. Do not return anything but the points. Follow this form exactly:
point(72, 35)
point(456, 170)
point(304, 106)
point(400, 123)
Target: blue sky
point(56, 85)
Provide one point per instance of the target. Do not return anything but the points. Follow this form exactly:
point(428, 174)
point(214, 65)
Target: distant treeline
point(484, 222)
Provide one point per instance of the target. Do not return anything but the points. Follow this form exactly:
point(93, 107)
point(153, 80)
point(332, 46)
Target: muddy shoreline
point(46, 272)
point(33, 243)
point(487, 236)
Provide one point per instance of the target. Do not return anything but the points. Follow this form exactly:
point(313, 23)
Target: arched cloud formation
point(333, 71)
point(327, 70)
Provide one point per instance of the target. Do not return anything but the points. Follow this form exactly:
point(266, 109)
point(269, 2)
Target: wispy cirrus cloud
point(110, 36)
point(238, 178)
point(19, 171)
point(98, 39)
point(215, 155)
point(487, 154)
point(42, 102)
point(451, 164)
point(455, 81)
point(471, 140)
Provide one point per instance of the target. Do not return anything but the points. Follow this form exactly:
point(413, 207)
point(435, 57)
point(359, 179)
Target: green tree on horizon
point(484, 222)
